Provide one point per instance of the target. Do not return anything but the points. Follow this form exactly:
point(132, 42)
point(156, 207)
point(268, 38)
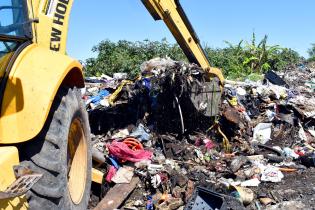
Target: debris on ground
point(255, 151)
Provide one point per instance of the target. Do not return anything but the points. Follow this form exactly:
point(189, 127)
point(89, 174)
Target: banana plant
point(257, 57)
point(311, 53)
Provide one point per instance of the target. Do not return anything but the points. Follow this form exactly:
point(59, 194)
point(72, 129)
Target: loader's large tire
point(62, 154)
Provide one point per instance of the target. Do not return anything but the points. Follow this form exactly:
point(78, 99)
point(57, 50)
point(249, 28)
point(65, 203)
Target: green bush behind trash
point(237, 61)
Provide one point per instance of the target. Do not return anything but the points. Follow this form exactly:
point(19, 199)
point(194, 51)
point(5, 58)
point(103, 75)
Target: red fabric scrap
point(122, 151)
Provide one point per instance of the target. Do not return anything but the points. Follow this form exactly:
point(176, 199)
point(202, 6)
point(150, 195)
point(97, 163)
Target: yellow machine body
point(4, 62)
point(34, 78)
point(8, 158)
point(53, 18)
point(38, 72)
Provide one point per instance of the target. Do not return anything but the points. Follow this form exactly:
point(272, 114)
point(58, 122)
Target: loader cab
point(15, 29)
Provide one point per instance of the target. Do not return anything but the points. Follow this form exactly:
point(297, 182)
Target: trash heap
point(156, 140)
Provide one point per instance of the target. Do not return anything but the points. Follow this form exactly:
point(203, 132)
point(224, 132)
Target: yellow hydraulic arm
point(171, 12)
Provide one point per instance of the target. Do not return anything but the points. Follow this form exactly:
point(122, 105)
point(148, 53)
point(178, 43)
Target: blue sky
point(288, 23)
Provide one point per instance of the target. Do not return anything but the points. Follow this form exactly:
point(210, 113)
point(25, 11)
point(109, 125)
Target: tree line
point(237, 61)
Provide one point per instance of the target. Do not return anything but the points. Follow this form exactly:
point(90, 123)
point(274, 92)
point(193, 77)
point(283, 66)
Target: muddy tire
point(62, 154)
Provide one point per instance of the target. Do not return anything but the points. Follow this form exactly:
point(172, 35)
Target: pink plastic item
point(209, 144)
point(111, 173)
point(122, 151)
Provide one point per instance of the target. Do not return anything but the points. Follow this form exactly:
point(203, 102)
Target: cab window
point(14, 18)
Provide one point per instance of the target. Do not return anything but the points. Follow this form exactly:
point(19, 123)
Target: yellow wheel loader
point(45, 151)
point(44, 127)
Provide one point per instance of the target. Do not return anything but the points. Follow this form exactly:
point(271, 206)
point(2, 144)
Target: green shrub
point(126, 56)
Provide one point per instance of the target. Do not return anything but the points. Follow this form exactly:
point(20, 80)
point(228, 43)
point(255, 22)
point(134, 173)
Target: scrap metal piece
point(206, 97)
point(20, 186)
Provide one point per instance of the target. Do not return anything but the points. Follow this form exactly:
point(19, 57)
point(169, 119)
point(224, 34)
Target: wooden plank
point(117, 195)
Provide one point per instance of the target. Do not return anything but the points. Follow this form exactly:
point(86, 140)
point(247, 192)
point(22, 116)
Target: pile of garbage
point(162, 140)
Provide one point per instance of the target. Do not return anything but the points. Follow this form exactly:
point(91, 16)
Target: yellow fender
point(33, 82)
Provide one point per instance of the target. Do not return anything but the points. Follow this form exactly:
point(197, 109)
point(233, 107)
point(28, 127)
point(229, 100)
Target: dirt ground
point(296, 186)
